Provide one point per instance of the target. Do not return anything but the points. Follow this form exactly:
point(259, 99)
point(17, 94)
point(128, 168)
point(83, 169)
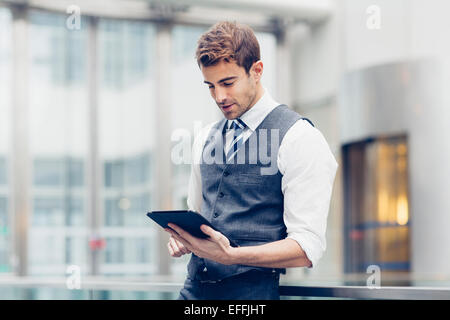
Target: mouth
point(227, 107)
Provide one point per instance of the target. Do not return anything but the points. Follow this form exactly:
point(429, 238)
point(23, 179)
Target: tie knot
point(238, 124)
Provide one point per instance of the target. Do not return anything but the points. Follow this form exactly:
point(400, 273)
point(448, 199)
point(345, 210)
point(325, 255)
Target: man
point(276, 217)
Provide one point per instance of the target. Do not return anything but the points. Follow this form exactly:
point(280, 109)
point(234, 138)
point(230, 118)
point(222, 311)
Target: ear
point(257, 70)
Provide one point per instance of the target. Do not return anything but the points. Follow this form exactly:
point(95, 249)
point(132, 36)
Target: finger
point(183, 249)
point(183, 234)
point(182, 240)
point(174, 252)
point(167, 230)
point(173, 234)
point(179, 247)
point(175, 247)
point(213, 234)
point(169, 247)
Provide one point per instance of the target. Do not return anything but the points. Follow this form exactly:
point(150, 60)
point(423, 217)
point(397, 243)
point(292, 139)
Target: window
point(376, 205)
point(4, 232)
point(125, 53)
point(135, 171)
point(126, 145)
point(3, 169)
point(58, 172)
point(5, 135)
point(61, 60)
point(58, 117)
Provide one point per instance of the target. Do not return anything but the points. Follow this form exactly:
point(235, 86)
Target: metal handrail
point(365, 292)
point(93, 284)
point(350, 292)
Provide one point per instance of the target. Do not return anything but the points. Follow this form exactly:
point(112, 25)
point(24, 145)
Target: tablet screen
point(189, 221)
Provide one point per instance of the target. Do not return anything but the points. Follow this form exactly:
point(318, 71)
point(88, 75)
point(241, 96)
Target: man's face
point(231, 87)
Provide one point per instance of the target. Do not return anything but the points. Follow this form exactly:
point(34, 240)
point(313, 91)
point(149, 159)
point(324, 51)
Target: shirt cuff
point(310, 245)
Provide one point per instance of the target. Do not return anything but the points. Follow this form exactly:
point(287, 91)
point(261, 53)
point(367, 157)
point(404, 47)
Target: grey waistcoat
point(245, 205)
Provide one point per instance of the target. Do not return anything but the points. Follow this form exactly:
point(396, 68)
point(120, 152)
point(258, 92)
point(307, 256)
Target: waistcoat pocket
point(250, 178)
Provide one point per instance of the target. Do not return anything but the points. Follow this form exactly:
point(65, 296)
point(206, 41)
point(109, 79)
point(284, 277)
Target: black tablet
point(185, 219)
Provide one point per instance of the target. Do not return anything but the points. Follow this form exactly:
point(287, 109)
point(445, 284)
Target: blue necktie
point(238, 126)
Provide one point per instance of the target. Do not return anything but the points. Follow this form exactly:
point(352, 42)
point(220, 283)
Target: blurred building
point(90, 110)
point(374, 79)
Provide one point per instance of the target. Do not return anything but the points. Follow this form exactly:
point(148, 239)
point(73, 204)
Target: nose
point(221, 95)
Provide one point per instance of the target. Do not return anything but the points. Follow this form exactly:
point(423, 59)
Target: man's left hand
point(216, 247)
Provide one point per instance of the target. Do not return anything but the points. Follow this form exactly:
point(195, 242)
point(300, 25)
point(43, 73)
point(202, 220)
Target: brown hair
point(228, 41)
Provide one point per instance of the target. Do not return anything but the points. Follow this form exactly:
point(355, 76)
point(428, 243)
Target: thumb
point(210, 232)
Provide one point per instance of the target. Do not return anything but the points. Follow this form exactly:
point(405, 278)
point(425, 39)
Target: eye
point(227, 84)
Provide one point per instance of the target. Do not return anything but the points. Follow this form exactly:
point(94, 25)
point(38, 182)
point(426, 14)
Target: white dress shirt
point(308, 168)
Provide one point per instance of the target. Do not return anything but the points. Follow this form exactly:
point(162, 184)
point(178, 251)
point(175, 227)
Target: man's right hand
point(176, 248)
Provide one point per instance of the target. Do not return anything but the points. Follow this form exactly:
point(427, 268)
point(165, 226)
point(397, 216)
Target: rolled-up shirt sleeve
point(309, 169)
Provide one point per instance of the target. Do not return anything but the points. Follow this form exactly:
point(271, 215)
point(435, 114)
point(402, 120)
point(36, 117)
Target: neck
point(259, 94)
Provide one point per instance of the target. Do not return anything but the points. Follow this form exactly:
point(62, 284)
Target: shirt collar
point(256, 114)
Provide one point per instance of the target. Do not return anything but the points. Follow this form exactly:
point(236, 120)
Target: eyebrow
point(222, 80)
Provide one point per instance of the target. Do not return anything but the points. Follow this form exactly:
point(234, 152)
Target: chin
point(230, 116)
